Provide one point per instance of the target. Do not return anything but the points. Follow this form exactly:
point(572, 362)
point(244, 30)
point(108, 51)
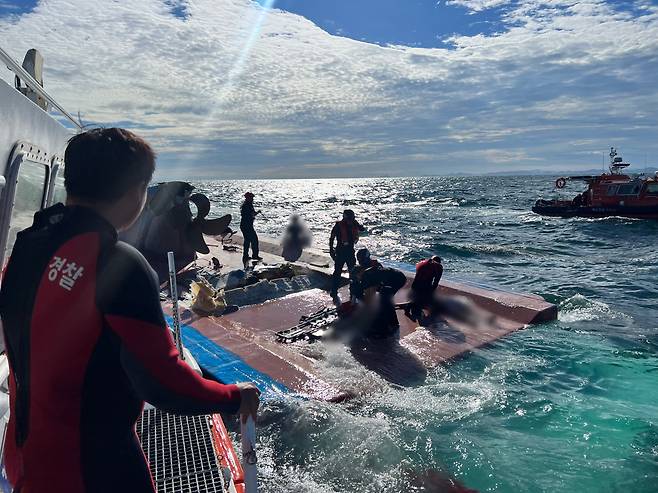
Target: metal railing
point(22, 74)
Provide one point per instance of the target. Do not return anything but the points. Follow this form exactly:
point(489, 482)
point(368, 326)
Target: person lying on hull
point(344, 235)
point(86, 338)
point(423, 287)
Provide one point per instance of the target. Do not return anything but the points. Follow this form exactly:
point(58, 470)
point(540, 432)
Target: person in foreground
point(86, 338)
point(344, 235)
point(247, 216)
point(428, 275)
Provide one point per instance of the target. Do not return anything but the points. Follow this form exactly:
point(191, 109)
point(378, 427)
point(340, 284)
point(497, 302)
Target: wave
point(579, 308)
point(468, 250)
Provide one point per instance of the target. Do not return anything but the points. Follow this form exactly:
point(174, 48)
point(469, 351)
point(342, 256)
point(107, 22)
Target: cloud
point(228, 88)
point(478, 5)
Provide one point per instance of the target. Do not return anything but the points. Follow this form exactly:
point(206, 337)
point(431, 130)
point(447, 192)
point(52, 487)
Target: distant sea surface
point(565, 406)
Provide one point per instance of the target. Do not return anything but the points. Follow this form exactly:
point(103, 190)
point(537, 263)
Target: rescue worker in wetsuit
point(86, 338)
point(428, 275)
point(247, 216)
point(344, 234)
point(370, 276)
point(365, 264)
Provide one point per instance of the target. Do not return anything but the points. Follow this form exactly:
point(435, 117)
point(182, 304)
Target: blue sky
point(292, 88)
point(420, 23)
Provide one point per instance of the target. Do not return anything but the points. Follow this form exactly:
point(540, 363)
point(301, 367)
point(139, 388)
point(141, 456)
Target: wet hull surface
point(242, 346)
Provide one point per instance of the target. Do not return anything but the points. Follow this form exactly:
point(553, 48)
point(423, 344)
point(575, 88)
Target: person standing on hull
point(428, 275)
point(344, 234)
point(86, 338)
point(247, 216)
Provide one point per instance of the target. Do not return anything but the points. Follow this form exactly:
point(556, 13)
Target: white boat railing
point(22, 74)
point(249, 458)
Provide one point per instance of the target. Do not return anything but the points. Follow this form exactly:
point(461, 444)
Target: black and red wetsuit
point(87, 344)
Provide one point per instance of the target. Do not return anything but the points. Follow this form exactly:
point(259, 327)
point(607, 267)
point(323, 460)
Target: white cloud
point(232, 90)
point(478, 5)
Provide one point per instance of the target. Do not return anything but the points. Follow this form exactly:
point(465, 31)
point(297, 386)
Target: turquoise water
point(564, 406)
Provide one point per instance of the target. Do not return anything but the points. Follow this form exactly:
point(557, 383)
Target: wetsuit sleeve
point(128, 298)
point(438, 273)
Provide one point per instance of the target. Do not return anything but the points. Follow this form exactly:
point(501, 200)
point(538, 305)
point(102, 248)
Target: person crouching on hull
point(376, 286)
point(344, 234)
point(86, 338)
point(423, 287)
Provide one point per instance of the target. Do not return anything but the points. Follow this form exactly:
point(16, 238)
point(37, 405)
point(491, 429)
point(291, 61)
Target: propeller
point(174, 198)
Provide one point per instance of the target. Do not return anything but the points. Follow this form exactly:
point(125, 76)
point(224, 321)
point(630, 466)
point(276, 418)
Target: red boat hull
point(567, 209)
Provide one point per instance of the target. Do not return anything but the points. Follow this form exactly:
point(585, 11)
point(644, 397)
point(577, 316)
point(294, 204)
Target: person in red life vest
point(86, 338)
point(344, 234)
point(428, 275)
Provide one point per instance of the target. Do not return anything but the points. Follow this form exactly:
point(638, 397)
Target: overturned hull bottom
point(566, 209)
point(243, 345)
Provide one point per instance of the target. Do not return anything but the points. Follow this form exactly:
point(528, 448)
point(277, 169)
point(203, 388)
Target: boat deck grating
point(180, 452)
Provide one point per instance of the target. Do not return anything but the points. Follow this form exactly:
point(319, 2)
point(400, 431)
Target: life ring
point(560, 182)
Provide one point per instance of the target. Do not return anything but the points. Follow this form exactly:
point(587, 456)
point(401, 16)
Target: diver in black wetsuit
point(247, 216)
point(86, 338)
point(370, 276)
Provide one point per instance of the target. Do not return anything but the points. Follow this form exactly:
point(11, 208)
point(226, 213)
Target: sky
point(343, 88)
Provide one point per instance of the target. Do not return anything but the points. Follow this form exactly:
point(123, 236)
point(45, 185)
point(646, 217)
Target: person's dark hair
point(363, 256)
point(104, 163)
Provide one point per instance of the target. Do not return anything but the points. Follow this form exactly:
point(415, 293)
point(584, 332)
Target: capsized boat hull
point(567, 209)
point(243, 345)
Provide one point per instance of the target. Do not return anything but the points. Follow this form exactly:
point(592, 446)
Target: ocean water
point(565, 406)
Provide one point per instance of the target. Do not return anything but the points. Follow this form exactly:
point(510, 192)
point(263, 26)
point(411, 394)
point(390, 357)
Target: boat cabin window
point(59, 192)
point(612, 190)
point(629, 189)
point(652, 188)
point(30, 190)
